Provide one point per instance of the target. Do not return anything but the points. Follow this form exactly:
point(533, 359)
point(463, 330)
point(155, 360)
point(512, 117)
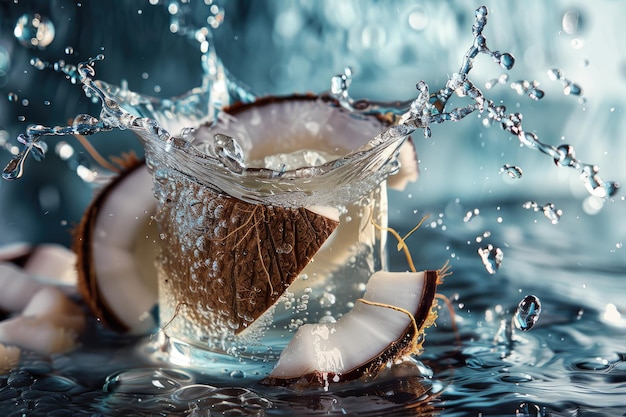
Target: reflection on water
point(510, 223)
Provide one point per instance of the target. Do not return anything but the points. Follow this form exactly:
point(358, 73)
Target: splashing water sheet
point(518, 120)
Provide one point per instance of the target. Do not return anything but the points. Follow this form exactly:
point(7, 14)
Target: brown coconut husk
point(247, 255)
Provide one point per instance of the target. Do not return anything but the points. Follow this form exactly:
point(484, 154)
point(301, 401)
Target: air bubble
point(327, 300)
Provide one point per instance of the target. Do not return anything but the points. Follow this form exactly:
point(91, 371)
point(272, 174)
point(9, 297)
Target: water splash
point(124, 109)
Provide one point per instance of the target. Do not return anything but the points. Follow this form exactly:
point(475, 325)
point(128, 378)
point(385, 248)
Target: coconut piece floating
point(116, 249)
point(385, 325)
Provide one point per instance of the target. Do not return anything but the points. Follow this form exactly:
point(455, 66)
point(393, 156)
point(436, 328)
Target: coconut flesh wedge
point(116, 247)
point(386, 324)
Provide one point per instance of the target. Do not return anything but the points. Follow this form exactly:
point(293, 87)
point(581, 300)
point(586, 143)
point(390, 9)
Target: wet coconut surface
point(572, 360)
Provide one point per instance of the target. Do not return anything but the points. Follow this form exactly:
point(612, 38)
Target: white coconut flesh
point(45, 320)
point(122, 250)
point(365, 338)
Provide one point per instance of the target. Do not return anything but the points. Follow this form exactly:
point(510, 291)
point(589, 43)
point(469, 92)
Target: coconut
point(116, 248)
point(247, 254)
point(385, 325)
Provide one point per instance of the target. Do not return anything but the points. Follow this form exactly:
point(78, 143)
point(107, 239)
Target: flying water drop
point(527, 313)
point(531, 89)
point(506, 61)
point(492, 258)
point(570, 88)
point(552, 213)
point(566, 156)
point(511, 170)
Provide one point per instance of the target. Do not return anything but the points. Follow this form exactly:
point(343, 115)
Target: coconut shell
point(242, 256)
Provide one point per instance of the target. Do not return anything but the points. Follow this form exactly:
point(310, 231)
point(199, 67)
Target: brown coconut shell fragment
point(243, 256)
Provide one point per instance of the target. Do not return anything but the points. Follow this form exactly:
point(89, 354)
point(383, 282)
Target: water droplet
point(529, 139)
point(12, 97)
point(38, 63)
point(555, 74)
point(536, 94)
point(492, 258)
point(567, 156)
point(15, 168)
point(470, 215)
point(573, 89)
point(69, 50)
point(507, 61)
point(511, 170)
point(527, 313)
point(531, 205)
point(612, 187)
point(552, 213)
point(34, 31)
point(284, 248)
point(229, 152)
point(237, 374)
point(571, 22)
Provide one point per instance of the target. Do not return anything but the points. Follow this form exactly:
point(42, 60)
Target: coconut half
point(116, 249)
point(386, 324)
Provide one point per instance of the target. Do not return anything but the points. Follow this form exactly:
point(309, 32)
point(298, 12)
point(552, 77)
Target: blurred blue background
point(279, 47)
